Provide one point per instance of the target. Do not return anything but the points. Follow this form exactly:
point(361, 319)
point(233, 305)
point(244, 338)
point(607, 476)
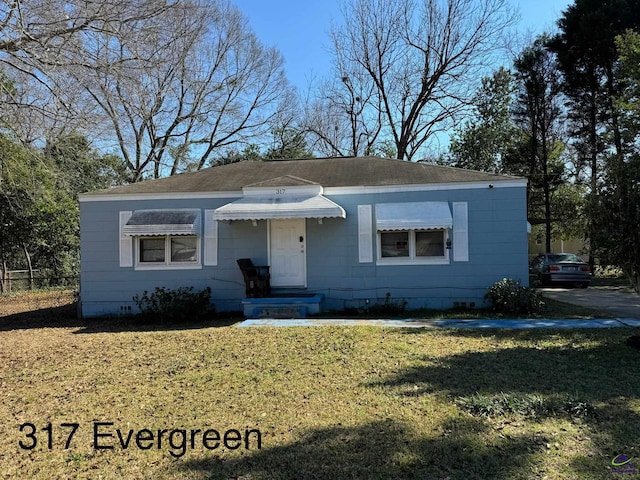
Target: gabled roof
point(328, 172)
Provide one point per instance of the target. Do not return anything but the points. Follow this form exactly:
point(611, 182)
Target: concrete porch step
point(282, 306)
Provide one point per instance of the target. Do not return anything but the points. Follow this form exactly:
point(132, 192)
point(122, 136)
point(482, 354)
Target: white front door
point(288, 259)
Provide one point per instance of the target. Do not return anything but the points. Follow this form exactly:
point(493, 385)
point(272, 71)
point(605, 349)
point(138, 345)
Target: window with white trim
point(169, 251)
point(413, 246)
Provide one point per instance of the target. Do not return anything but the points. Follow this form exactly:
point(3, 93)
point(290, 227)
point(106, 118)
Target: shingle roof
point(284, 181)
point(328, 172)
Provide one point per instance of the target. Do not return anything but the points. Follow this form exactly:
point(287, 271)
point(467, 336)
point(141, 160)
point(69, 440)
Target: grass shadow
point(596, 372)
point(135, 324)
point(610, 335)
point(590, 367)
point(65, 316)
point(382, 449)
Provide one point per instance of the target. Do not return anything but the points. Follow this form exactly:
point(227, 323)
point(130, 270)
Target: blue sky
point(299, 29)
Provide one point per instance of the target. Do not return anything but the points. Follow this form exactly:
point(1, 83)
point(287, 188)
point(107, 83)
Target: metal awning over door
point(280, 207)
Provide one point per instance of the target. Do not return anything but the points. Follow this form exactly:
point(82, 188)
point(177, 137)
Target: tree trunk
point(593, 141)
point(615, 125)
point(29, 266)
point(401, 146)
point(3, 276)
point(634, 277)
point(546, 188)
point(547, 208)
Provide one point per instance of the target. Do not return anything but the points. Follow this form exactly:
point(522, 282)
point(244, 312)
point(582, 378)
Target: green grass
point(527, 405)
point(557, 309)
point(330, 402)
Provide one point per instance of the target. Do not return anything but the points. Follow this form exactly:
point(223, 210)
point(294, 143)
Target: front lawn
point(329, 402)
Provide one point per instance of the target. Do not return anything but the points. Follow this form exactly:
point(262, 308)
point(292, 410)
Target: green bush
point(174, 306)
point(508, 296)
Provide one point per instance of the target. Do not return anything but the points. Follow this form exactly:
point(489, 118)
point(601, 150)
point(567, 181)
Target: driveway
point(615, 301)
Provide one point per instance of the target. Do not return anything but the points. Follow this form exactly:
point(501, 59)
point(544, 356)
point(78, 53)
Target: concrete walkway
point(618, 302)
point(615, 301)
point(446, 323)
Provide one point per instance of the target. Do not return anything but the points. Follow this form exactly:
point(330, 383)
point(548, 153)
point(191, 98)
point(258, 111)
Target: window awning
point(163, 222)
point(279, 207)
point(413, 216)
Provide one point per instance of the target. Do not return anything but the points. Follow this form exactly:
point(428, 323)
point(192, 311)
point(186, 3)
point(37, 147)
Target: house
point(348, 231)
point(537, 246)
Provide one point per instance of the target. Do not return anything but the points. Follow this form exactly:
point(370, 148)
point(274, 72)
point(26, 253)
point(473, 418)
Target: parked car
point(560, 268)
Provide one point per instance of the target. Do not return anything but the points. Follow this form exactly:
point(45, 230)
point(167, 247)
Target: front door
point(288, 259)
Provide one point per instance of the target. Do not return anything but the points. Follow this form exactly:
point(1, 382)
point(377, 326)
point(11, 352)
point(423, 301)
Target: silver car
point(560, 268)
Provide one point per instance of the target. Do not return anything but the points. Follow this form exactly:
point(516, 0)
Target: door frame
point(304, 259)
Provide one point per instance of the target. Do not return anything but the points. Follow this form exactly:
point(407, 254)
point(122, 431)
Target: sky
point(299, 29)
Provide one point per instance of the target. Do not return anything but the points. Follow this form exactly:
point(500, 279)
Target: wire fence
point(14, 281)
point(22, 295)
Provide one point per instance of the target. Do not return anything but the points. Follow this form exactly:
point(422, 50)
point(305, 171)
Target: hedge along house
point(347, 230)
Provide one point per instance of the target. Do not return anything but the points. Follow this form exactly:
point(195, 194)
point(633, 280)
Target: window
point(184, 249)
point(152, 250)
point(413, 246)
point(178, 251)
point(429, 244)
point(395, 244)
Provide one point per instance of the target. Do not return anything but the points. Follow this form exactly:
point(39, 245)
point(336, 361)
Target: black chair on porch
point(256, 278)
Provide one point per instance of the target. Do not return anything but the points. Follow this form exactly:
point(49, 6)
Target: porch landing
point(285, 306)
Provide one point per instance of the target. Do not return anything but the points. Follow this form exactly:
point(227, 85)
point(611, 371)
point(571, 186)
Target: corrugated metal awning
point(280, 207)
point(163, 222)
point(413, 216)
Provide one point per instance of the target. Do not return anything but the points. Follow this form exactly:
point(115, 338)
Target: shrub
point(388, 307)
point(508, 296)
point(179, 305)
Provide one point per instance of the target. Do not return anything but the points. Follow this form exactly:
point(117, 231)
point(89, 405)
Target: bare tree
point(164, 83)
point(43, 29)
point(200, 81)
point(420, 57)
point(35, 110)
point(343, 117)
point(42, 38)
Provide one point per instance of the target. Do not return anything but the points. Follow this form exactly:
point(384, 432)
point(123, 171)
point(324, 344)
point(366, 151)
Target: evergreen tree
point(616, 210)
point(587, 58)
point(483, 141)
point(537, 113)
